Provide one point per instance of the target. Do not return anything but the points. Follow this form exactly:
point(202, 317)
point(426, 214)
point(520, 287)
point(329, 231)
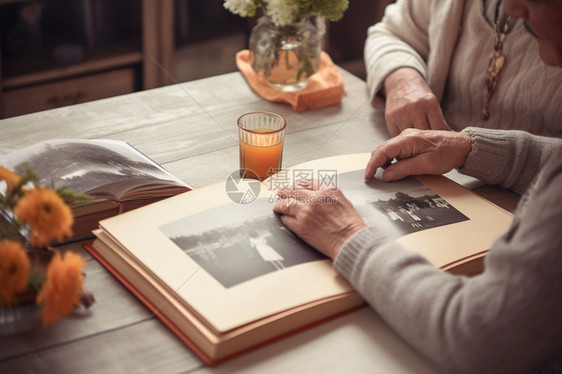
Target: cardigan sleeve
point(506, 319)
point(417, 34)
point(510, 159)
point(399, 40)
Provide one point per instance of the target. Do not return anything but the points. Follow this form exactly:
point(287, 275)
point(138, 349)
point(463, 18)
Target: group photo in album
point(399, 208)
point(239, 242)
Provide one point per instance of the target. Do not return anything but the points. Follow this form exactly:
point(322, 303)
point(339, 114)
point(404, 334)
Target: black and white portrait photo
point(238, 242)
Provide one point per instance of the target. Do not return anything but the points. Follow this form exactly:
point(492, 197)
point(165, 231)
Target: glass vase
point(286, 56)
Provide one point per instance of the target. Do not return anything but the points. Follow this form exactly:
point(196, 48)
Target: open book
point(116, 175)
point(218, 267)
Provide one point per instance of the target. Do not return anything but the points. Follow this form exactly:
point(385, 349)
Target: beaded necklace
point(497, 62)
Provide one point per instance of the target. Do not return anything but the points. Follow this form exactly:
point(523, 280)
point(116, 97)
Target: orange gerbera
point(61, 291)
point(12, 179)
point(48, 216)
point(14, 270)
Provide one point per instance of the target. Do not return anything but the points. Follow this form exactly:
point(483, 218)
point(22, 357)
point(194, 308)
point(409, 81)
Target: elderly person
point(429, 66)
point(507, 319)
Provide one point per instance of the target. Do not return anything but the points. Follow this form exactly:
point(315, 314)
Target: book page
point(87, 166)
point(436, 217)
point(448, 244)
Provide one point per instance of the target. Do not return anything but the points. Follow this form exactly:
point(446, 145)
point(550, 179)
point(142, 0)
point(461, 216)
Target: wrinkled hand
point(323, 218)
point(410, 103)
point(420, 152)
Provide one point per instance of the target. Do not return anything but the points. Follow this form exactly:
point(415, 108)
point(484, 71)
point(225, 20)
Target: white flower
point(280, 12)
point(245, 8)
point(286, 12)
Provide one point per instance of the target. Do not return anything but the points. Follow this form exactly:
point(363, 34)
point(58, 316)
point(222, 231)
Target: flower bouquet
point(286, 43)
point(32, 217)
point(286, 12)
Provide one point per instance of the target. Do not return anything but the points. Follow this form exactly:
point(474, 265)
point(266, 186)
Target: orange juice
point(261, 153)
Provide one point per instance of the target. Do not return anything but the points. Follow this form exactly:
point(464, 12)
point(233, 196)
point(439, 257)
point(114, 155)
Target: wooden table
point(190, 129)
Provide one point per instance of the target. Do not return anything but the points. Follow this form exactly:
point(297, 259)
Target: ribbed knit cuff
point(356, 248)
point(489, 155)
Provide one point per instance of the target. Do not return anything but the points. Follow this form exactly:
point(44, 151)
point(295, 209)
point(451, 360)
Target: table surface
point(190, 129)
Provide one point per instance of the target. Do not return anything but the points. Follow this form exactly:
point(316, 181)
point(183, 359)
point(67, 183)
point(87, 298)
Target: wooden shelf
point(39, 69)
point(133, 52)
point(62, 92)
point(2, 2)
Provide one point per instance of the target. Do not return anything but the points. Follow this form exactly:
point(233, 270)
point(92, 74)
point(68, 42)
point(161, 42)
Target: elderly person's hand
point(420, 152)
point(410, 103)
point(324, 218)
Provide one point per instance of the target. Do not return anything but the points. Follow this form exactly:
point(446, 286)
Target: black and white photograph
point(238, 242)
point(413, 208)
point(85, 165)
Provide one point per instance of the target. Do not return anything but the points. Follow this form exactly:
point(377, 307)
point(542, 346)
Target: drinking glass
point(261, 144)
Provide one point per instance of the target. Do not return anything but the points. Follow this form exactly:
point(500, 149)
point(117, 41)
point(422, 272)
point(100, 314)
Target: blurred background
point(62, 52)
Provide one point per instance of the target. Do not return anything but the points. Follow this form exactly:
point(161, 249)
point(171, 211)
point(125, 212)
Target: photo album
point(219, 268)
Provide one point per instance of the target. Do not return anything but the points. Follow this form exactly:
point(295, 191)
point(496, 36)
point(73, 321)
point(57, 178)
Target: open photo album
point(219, 268)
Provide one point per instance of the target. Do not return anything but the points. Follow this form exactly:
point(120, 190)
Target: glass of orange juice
point(261, 144)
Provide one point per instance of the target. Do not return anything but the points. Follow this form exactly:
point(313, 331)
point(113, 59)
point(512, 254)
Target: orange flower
point(14, 270)
point(61, 291)
point(11, 179)
point(48, 216)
